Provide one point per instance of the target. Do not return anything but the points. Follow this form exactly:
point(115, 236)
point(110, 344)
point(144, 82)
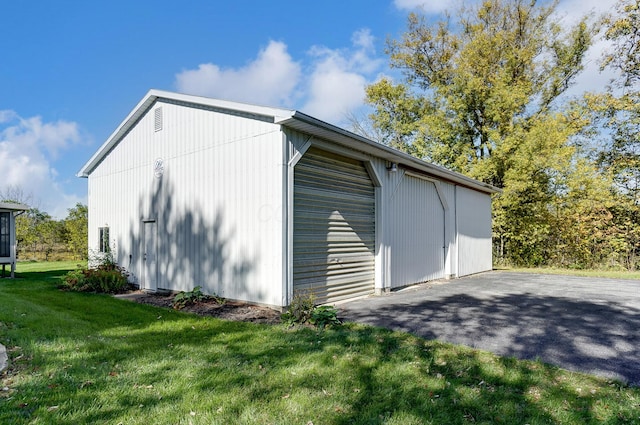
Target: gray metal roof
point(12, 206)
point(323, 130)
point(288, 118)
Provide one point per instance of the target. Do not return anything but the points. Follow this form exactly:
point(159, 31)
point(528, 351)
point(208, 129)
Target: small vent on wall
point(158, 119)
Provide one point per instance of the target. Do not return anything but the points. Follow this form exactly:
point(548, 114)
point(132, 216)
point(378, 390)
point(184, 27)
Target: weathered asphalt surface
point(581, 324)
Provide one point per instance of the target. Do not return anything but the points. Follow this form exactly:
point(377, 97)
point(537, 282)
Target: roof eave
point(13, 206)
point(321, 129)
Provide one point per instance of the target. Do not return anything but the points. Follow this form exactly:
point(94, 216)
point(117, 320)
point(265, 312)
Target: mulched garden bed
point(228, 310)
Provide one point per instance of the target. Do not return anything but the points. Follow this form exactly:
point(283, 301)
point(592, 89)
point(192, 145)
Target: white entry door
point(150, 257)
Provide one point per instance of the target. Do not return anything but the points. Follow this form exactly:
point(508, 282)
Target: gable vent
point(158, 119)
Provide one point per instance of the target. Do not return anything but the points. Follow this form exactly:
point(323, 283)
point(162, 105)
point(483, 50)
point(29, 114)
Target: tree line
point(486, 92)
point(41, 237)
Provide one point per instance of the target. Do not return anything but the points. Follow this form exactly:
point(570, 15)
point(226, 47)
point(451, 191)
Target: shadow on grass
point(109, 360)
point(45, 270)
point(42, 275)
point(599, 337)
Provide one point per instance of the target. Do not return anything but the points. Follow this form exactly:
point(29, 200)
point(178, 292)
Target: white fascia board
point(154, 95)
point(124, 126)
point(321, 129)
point(275, 113)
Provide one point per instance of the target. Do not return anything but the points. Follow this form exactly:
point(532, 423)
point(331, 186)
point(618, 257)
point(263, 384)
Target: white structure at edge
point(8, 213)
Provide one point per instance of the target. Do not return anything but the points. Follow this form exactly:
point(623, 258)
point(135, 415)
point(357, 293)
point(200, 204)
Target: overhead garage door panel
point(334, 227)
point(319, 170)
point(417, 233)
point(474, 231)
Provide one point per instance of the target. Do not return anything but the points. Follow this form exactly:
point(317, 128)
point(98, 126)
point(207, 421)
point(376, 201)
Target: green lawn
point(610, 274)
point(85, 358)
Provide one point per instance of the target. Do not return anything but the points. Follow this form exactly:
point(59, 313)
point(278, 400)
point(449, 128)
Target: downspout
point(287, 175)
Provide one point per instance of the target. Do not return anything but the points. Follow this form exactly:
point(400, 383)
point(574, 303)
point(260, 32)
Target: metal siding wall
point(474, 231)
point(451, 262)
point(388, 227)
point(114, 201)
point(334, 227)
point(416, 232)
point(218, 204)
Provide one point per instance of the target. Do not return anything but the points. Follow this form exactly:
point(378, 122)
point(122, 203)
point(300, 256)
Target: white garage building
point(256, 203)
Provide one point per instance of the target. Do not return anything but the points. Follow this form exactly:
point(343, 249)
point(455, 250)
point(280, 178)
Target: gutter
point(302, 122)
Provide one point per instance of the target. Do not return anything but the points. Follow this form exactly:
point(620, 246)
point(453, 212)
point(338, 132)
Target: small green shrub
point(103, 279)
point(185, 298)
point(299, 310)
point(106, 276)
point(74, 280)
point(325, 315)
point(303, 310)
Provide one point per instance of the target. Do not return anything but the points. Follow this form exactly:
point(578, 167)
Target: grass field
point(87, 358)
point(608, 274)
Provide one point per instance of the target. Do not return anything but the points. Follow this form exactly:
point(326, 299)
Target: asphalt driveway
point(590, 325)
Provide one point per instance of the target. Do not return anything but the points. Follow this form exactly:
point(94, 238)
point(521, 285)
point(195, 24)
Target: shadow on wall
point(195, 247)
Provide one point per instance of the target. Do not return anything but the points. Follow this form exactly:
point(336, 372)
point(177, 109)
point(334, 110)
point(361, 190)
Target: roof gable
point(285, 117)
point(271, 114)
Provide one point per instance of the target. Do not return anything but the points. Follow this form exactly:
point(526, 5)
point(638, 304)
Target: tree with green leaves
point(39, 235)
point(76, 225)
point(482, 94)
point(620, 105)
point(622, 28)
point(474, 89)
point(37, 232)
point(618, 118)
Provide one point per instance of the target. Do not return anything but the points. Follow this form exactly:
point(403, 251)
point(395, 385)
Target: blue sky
point(71, 71)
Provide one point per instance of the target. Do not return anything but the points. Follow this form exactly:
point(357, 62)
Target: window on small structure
point(103, 242)
point(5, 235)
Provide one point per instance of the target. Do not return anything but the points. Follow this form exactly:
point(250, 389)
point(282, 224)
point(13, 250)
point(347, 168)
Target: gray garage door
point(334, 227)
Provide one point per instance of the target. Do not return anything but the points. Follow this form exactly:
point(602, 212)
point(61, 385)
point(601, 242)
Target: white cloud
point(334, 92)
point(338, 77)
point(6, 116)
point(269, 79)
point(333, 83)
point(428, 6)
point(27, 148)
point(573, 10)
point(591, 79)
